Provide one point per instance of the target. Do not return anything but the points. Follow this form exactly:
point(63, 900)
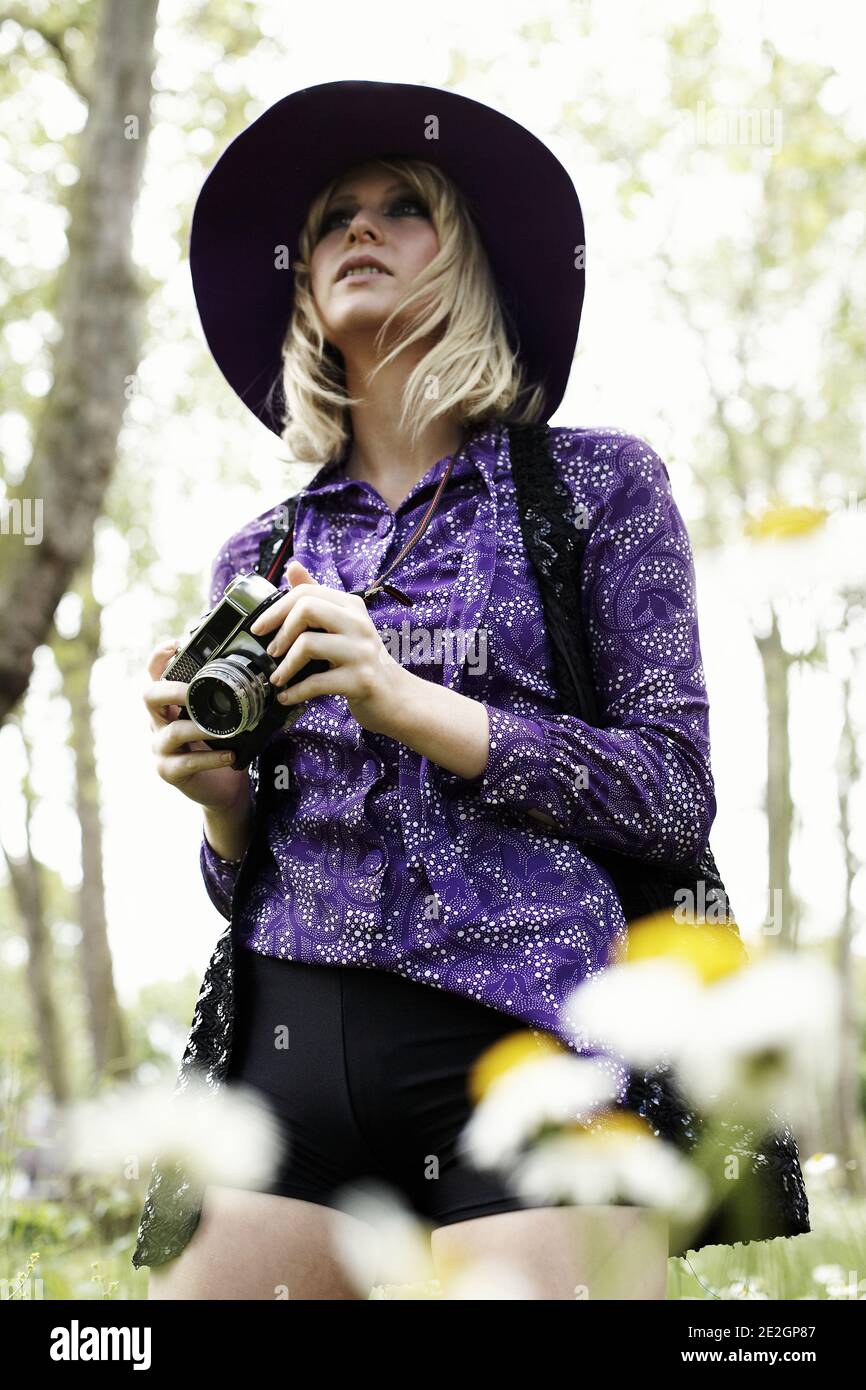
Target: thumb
point(299, 574)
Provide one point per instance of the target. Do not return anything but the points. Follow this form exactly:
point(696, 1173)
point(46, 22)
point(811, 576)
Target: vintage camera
point(228, 672)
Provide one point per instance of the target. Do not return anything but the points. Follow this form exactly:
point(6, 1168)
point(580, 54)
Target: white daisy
point(385, 1243)
point(553, 1090)
point(490, 1280)
point(602, 1168)
point(226, 1137)
point(642, 1009)
point(766, 1040)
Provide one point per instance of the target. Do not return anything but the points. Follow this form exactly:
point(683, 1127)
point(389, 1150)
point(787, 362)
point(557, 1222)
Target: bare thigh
point(604, 1252)
point(253, 1245)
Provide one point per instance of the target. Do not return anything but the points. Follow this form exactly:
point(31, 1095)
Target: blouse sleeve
point(220, 875)
point(641, 783)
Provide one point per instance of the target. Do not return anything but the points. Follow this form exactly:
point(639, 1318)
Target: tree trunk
point(850, 1123)
point(99, 306)
point(76, 658)
point(779, 806)
point(26, 884)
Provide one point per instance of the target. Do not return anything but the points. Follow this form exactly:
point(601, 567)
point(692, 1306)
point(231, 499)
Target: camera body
point(227, 669)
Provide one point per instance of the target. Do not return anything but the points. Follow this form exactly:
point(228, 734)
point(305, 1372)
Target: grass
point(72, 1264)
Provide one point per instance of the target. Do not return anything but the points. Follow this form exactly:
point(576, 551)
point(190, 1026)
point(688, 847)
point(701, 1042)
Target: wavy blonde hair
point(472, 364)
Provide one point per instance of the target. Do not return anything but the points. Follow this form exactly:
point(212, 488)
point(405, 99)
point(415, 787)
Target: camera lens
point(221, 702)
point(227, 697)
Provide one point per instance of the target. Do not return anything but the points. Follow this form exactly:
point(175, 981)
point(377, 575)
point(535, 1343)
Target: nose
point(363, 225)
point(363, 235)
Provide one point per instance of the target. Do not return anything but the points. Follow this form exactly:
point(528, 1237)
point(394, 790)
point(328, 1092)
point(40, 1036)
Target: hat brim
point(256, 198)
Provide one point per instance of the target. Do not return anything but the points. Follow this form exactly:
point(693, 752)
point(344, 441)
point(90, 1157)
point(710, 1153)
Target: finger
point(312, 613)
point(338, 648)
point(161, 656)
point(333, 682)
point(282, 606)
point(177, 767)
point(272, 616)
point(165, 693)
point(297, 572)
point(164, 700)
point(180, 733)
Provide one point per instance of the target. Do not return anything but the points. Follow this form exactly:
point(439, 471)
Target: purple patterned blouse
point(380, 858)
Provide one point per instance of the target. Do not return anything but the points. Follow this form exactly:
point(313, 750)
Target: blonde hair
point(472, 363)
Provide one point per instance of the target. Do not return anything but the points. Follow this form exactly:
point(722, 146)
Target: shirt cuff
point(517, 774)
point(216, 861)
point(220, 876)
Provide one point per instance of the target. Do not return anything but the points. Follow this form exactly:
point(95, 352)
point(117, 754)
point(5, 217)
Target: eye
point(396, 207)
point(410, 200)
point(329, 221)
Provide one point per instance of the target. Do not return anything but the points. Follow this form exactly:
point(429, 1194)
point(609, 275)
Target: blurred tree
point(99, 307)
point(849, 1116)
point(75, 658)
point(94, 488)
point(779, 806)
point(763, 439)
point(26, 880)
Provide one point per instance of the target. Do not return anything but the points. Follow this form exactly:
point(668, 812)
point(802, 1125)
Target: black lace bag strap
point(554, 535)
point(276, 546)
point(555, 544)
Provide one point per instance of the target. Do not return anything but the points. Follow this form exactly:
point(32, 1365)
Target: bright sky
point(635, 369)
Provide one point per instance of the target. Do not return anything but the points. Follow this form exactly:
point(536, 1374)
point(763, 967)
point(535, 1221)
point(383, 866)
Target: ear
point(298, 573)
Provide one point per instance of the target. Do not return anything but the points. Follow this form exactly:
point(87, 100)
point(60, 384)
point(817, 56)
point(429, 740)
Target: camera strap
point(277, 545)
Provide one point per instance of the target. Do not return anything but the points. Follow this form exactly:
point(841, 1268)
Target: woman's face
point(371, 213)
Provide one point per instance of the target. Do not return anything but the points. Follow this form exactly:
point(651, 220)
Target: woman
point(423, 892)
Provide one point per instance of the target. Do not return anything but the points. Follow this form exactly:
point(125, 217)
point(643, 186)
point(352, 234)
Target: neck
point(380, 453)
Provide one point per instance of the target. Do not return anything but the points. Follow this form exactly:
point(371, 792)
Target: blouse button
point(373, 862)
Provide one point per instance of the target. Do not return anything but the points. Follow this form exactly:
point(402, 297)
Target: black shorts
point(372, 1083)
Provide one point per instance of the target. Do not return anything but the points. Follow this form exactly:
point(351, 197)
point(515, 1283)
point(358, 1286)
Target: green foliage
point(73, 1266)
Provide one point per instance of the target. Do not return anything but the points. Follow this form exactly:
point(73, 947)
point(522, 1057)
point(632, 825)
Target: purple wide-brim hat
point(256, 198)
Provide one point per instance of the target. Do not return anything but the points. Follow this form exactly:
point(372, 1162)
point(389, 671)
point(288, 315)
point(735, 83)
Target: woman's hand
point(183, 759)
point(361, 667)
point(441, 724)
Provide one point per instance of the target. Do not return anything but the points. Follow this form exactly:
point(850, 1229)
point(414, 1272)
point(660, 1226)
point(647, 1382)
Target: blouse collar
point(479, 452)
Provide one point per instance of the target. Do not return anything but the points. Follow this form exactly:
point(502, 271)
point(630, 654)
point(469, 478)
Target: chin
point(367, 320)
